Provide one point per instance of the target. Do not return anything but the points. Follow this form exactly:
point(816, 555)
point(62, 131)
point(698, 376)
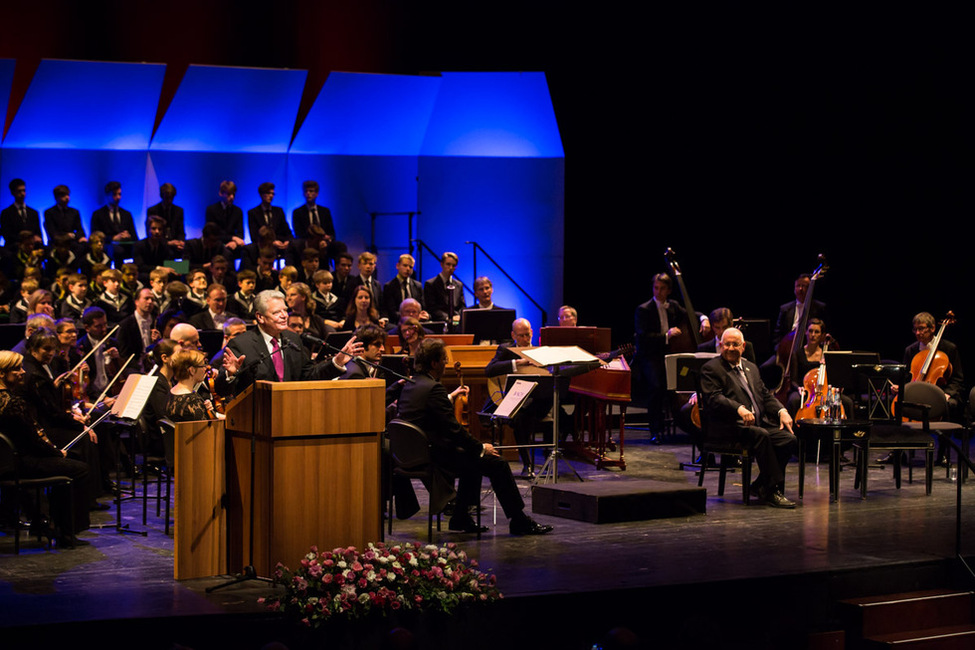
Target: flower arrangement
point(351, 584)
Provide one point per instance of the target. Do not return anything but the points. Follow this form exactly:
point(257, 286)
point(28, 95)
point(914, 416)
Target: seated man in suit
point(373, 340)
point(271, 216)
point(443, 294)
point(18, 217)
point(924, 330)
point(538, 405)
point(721, 319)
point(740, 407)
point(215, 314)
point(400, 288)
point(60, 219)
point(274, 353)
point(425, 402)
point(175, 233)
point(227, 217)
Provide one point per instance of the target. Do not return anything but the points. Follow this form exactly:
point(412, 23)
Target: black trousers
point(470, 468)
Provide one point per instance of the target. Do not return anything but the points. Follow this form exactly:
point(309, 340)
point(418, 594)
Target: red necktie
point(277, 359)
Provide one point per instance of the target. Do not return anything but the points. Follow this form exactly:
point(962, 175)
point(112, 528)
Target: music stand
point(487, 324)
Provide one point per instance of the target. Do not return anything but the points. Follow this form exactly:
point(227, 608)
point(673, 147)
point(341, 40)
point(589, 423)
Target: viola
point(460, 402)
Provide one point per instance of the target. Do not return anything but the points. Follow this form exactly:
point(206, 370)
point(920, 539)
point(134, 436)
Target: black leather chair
point(918, 394)
point(730, 450)
point(880, 393)
point(410, 458)
point(15, 488)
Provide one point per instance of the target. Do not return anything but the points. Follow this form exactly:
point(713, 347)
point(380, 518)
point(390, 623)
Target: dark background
point(747, 140)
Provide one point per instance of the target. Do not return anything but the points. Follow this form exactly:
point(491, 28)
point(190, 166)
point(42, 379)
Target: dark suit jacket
point(147, 258)
point(11, 224)
point(298, 365)
point(300, 220)
point(230, 221)
point(199, 254)
point(956, 384)
point(712, 346)
point(101, 220)
point(356, 369)
point(393, 296)
point(59, 222)
point(436, 299)
point(425, 403)
point(174, 220)
point(129, 339)
point(501, 363)
point(787, 314)
point(255, 219)
point(651, 342)
point(203, 321)
point(723, 394)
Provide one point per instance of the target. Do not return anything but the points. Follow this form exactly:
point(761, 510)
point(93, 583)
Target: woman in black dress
point(185, 403)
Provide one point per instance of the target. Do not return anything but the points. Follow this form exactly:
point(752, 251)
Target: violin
point(218, 405)
point(460, 402)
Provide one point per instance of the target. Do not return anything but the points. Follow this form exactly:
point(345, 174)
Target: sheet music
point(515, 398)
point(133, 397)
point(549, 355)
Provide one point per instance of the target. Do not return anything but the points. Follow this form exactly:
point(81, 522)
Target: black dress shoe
point(755, 489)
point(528, 526)
point(777, 500)
point(464, 524)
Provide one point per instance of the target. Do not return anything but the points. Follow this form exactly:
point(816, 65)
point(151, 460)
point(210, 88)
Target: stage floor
point(121, 576)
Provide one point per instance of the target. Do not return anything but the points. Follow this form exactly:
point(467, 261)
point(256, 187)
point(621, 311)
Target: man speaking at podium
point(272, 352)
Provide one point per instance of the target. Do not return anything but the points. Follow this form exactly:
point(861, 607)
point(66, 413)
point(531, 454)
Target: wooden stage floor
point(900, 537)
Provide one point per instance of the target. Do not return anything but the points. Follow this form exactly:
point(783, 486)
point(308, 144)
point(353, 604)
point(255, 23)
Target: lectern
point(316, 471)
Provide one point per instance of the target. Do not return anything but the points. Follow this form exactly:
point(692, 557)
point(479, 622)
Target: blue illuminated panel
point(368, 114)
point(493, 114)
point(249, 110)
point(513, 208)
point(88, 105)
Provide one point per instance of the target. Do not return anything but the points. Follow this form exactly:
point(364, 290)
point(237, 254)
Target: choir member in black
point(96, 255)
point(328, 304)
point(172, 215)
point(440, 301)
point(228, 217)
point(60, 219)
point(272, 216)
point(241, 304)
point(200, 251)
point(366, 278)
point(401, 287)
point(18, 217)
point(310, 214)
point(38, 457)
point(342, 276)
point(111, 300)
point(154, 250)
point(483, 294)
point(115, 221)
point(185, 402)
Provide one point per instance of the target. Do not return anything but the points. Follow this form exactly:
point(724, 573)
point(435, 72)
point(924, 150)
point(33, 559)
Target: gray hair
point(265, 297)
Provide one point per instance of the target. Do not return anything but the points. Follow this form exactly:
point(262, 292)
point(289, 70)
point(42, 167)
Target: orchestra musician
point(657, 322)
point(791, 312)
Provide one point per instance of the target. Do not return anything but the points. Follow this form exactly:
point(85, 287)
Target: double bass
point(689, 340)
point(794, 340)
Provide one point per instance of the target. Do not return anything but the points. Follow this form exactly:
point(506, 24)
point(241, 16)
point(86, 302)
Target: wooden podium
point(316, 471)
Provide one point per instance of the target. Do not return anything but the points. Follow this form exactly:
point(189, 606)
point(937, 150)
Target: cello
point(932, 365)
point(818, 398)
point(794, 340)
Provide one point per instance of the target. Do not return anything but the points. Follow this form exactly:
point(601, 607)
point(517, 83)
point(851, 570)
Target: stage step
point(934, 618)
